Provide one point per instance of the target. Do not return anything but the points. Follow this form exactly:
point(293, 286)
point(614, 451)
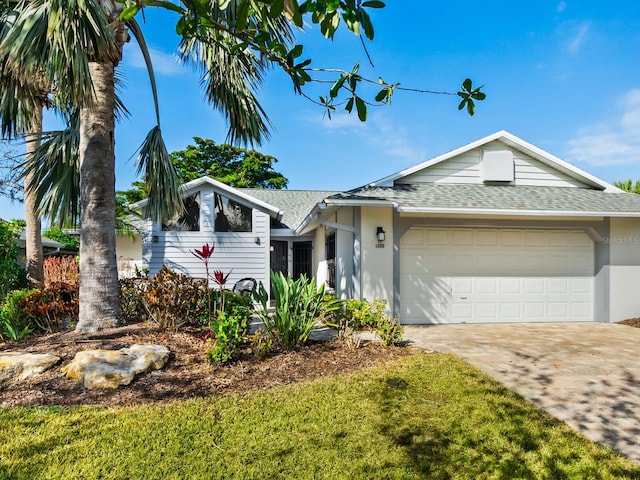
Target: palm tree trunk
point(99, 303)
point(33, 231)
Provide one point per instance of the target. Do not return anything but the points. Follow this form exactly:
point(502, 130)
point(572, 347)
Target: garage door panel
point(511, 286)
point(581, 310)
point(462, 311)
point(462, 237)
point(533, 286)
point(557, 310)
point(583, 286)
point(496, 275)
point(437, 236)
point(461, 286)
point(558, 286)
point(487, 285)
point(486, 311)
point(534, 311)
point(510, 311)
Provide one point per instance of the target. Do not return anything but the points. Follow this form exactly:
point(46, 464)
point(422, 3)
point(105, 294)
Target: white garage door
point(474, 275)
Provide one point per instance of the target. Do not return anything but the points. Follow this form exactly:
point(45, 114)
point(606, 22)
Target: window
point(188, 220)
point(230, 216)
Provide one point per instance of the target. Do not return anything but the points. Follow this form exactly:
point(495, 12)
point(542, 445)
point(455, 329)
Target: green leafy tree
point(76, 46)
point(12, 276)
point(234, 166)
point(56, 233)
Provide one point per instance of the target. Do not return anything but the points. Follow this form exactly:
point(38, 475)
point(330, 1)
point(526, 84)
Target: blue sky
point(563, 75)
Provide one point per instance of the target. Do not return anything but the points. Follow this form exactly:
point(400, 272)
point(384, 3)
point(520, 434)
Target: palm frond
point(55, 170)
point(20, 97)
point(134, 27)
point(230, 79)
point(57, 39)
point(160, 177)
point(121, 110)
point(232, 72)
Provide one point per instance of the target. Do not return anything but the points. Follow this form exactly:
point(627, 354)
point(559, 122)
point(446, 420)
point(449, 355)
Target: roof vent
point(497, 166)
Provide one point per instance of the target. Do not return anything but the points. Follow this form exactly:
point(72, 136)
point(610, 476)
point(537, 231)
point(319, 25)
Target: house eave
point(506, 212)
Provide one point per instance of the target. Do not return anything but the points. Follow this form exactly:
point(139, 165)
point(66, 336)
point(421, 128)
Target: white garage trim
point(477, 275)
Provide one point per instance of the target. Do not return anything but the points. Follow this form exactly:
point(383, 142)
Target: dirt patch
point(187, 374)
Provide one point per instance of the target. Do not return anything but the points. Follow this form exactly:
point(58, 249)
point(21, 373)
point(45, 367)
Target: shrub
point(12, 275)
point(60, 269)
point(14, 323)
point(131, 304)
point(226, 335)
point(361, 314)
point(261, 343)
point(390, 331)
point(172, 300)
point(298, 304)
point(52, 308)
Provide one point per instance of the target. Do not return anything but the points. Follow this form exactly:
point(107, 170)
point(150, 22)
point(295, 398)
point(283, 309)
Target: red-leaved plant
point(204, 255)
point(218, 277)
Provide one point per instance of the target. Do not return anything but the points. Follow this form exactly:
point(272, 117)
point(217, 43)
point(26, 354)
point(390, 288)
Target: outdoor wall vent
point(497, 166)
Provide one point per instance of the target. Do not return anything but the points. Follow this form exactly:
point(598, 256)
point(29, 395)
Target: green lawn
point(426, 416)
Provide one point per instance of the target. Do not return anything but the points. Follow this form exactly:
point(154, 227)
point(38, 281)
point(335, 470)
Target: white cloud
point(163, 63)
point(561, 7)
point(614, 143)
point(579, 36)
point(378, 133)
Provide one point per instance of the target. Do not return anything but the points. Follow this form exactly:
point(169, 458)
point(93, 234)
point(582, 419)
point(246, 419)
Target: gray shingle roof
point(523, 198)
point(296, 204)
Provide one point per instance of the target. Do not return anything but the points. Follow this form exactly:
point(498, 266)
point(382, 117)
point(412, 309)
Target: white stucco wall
point(320, 260)
point(376, 258)
point(624, 244)
point(344, 254)
point(129, 248)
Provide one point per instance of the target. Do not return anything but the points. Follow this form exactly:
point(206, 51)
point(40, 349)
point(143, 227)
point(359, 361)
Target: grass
point(426, 416)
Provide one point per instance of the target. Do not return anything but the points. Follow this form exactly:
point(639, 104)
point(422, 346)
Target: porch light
point(380, 234)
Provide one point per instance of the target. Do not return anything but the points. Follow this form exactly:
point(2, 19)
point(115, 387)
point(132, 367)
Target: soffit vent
point(497, 166)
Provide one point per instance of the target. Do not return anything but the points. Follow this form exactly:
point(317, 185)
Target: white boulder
point(20, 366)
point(112, 368)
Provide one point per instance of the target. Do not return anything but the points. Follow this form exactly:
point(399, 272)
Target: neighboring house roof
point(236, 193)
point(49, 246)
point(295, 204)
point(513, 142)
point(485, 199)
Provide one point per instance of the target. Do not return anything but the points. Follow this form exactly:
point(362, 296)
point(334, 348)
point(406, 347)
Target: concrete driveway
point(587, 374)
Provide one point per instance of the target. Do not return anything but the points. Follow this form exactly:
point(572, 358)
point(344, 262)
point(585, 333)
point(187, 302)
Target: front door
point(302, 259)
point(279, 257)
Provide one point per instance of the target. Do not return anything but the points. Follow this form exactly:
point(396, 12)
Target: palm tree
point(21, 105)
point(78, 45)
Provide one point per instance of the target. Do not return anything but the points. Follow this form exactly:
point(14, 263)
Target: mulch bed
point(187, 374)
point(631, 322)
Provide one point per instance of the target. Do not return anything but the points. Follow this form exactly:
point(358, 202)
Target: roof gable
point(533, 166)
point(238, 195)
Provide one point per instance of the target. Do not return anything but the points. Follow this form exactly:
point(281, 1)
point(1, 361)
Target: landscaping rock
point(19, 366)
point(112, 368)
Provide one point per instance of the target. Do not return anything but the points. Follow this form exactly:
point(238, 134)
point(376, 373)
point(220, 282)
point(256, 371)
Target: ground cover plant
point(424, 416)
